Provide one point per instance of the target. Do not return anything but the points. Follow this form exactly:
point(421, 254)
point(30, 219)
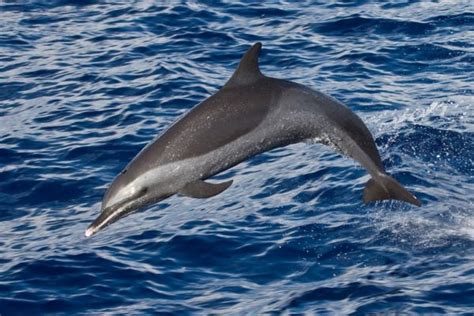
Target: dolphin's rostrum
point(250, 114)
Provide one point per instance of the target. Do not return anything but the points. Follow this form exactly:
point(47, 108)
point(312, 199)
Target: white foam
point(419, 229)
point(454, 113)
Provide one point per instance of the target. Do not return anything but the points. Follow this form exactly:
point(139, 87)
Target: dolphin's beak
point(93, 228)
point(104, 219)
point(110, 215)
point(89, 232)
point(115, 212)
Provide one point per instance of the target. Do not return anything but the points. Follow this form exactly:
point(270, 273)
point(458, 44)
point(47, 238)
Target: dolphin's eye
point(143, 191)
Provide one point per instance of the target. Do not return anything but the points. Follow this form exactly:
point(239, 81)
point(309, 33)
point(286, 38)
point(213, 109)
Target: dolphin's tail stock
point(387, 188)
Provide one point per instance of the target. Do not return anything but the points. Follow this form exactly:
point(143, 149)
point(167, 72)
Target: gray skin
point(251, 114)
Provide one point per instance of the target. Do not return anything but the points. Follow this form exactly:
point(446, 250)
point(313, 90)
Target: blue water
point(85, 85)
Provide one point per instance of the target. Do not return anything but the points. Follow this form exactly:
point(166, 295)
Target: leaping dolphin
point(250, 114)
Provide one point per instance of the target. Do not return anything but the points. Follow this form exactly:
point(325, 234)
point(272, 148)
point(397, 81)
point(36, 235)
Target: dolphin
point(250, 114)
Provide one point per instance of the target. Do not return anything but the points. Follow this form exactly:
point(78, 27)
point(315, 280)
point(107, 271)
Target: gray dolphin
point(250, 114)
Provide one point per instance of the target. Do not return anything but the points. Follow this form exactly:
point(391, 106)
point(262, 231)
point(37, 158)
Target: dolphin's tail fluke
point(387, 188)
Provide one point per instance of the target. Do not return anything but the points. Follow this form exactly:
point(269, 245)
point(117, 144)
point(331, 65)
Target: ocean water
point(84, 85)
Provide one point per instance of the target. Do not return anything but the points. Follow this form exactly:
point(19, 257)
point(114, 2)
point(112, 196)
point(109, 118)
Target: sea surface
point(85, 85)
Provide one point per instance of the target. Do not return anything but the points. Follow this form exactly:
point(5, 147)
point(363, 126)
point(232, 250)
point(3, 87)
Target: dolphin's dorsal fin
point(247, 71)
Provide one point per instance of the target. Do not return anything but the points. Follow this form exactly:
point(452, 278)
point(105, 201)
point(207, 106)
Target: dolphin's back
point(352, 125)
point(221, 119)
point(336, 125)
point(327, 120)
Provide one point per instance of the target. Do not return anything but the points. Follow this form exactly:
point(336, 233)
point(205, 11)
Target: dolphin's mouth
point(105, 218)
point(115, 212)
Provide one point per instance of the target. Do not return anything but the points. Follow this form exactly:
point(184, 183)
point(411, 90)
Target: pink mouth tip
point(89, 232)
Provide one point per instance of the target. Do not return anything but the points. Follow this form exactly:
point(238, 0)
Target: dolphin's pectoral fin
point(388, 189)
point(201, 189)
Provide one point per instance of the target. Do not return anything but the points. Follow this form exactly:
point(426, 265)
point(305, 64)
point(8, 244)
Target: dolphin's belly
point(268, 135)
